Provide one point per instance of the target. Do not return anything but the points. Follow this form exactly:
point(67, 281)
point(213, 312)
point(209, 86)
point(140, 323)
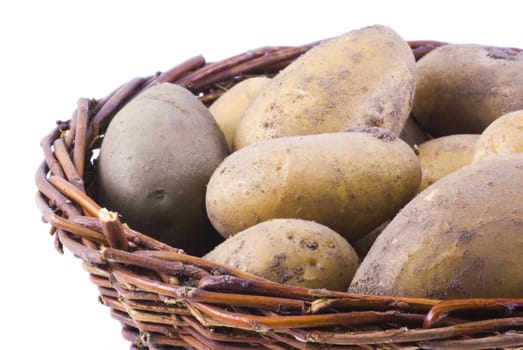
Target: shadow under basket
point(166, 299)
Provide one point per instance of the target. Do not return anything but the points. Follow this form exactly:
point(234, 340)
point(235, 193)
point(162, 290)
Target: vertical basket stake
point(80, 142)
point(113, 229)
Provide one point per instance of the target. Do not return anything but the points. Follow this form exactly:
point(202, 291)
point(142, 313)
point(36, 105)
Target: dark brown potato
point(156, 158)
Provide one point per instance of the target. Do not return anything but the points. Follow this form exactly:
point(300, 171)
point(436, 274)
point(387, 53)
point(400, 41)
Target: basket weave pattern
point(165, 298)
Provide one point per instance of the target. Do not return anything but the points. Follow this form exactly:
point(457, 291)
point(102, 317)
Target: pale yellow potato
point(229, 107)
point(462, 237)
point(462, 88)
point(291, 251)
point(366, 77)
point(441, 156)
point(349, 181)
point(504, 135)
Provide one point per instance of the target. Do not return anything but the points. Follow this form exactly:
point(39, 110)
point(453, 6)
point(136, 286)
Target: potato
point(412, 133)
point(362, 245)
point(291, 251)
point(462, 237)
point(349, 181)
point(440, 156)
point(229, 107)
point(156, 158)
point(504, 135)
point(366, 77)
point(462, 88)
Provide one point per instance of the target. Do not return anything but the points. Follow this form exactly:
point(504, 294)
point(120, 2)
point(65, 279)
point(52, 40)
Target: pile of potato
point(354, 168)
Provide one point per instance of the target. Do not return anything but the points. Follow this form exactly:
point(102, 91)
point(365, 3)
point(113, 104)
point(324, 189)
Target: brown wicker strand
point(58, 246)
point(179, 71)
point(134, 237)
point(421, 47)
point(404, 335)
point(113, 229)
point(116, 100)
point(78, 249)
point(511, 339)
point(154, 264)
point(63, 157)
point(73, 193)
point(445, 307)
point(171, 293)
point(50, 159)
point(236, 336)
point(220, 317)
point(240, 64)
point(69, 134)
point(55, 198)
point(80, 136)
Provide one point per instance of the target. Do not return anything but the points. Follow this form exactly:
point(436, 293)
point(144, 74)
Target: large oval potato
point(156, 158)
point(462, 88)
point(291, 251)
point(349, 181)
point(366, 77)
point(440, 156)
point(462, 237)
point(229, 107)
point(503, 135)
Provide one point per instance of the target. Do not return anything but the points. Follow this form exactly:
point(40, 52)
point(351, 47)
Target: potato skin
point(229, 107)
point(348, 181)
point(440, 156)
point(412, 133)
point(156, 158)
point(462, 237)
point(291, 251)
point(462, 88)
point(503, 135)
point(366, 77)
point(362, 245)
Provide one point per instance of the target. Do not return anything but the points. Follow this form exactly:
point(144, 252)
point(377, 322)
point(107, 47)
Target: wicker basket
point(167, 299)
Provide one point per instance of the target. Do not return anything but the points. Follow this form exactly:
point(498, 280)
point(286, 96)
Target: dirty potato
point(440, 156)
point(229, 107)
point(462, 237)
point(462, 88)
point(366, 77)
point(349, 181)
point(504, 135)
point(153, 167)
point(291, 251)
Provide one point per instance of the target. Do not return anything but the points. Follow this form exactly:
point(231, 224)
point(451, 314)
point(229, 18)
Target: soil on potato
point(379, 133)
point(502, 53)
point(282, 273)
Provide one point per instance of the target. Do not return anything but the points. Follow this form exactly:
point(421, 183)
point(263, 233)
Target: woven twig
point(165, 298)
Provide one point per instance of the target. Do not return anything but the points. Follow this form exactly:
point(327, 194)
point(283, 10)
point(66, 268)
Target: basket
point(167, 299)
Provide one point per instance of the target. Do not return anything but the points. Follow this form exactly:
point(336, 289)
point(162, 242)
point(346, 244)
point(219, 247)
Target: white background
point(52, 53)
